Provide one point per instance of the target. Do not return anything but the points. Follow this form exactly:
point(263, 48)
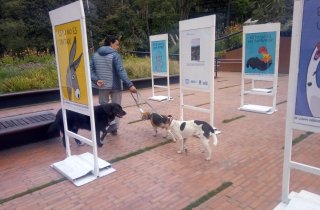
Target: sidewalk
point(249, 154)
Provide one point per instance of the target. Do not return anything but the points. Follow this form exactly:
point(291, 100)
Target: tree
point(13, 33)
point(25, 23)
point(36, 17)
point(273, 11)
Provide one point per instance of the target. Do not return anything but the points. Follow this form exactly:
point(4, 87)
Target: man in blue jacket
point(107, 72)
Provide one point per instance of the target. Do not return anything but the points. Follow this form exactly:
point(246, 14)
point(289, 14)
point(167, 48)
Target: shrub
point(138, 67)
point(232, 40)
point(21, 75)
point(39, 72)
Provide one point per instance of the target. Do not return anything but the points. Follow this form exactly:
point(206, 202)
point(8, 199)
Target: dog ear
point(170, 118)
point(167, 120)
point(144, 115)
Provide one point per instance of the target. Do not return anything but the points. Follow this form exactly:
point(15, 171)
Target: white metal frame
point(189, 26)
point(269, 27)
point(63, 15)
point(291, 105)
point(160, 37)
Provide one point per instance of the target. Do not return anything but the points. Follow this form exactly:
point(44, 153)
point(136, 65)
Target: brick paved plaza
point(249, 155)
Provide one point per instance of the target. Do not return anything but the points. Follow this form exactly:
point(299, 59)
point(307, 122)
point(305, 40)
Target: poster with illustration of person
point(159, 57)
point(159, 65)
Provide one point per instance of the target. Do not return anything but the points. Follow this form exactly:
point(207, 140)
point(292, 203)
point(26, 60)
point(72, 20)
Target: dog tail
point(215, 139)
point(53, 128)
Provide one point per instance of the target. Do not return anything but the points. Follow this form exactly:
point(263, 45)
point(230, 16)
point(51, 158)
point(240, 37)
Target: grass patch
point(300, 138)
point(202, 104)
point(30, 80)
point(233, 86)
point(188, 94)
point(138, 67)
point(232, 119)
point(229, 86)
point(34, 189)
point(209, 195)
point(282, 102)
point(138, 152)
point(222, 80)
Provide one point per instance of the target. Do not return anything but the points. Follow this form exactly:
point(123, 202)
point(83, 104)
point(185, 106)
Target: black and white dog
point(184, 129)
point(103, 115)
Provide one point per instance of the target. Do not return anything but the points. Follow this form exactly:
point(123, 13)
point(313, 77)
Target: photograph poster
point(196, 58)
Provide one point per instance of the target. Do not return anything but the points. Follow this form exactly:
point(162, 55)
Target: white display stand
point(159, 58)
point(301, 112)
point(257, 108)
point(303, 200)
point(197, 50)
point(72, 58)
point(260, 55)
point(160, 98)
point(79, 168)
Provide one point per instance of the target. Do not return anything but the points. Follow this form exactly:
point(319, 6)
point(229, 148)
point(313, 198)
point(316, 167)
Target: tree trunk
point(228, 13)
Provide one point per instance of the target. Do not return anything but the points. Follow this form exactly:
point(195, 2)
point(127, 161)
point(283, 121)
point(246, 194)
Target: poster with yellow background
point(71, 62)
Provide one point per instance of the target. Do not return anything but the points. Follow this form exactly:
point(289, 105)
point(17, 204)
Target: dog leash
point(137, 100)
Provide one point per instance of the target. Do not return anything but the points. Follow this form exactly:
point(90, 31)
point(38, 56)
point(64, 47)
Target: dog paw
point(100, 143)
point(179, 151)
point(208, 158)
point(79, 143)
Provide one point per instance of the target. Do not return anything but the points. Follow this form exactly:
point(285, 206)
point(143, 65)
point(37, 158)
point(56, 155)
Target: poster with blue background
point(260, 53)
point(159, 57)
point(307, 105)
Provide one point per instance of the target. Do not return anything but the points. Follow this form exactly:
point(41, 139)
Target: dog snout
point(121, 113)
point(144, 117)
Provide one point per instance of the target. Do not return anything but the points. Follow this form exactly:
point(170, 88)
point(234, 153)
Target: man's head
point(112, 41)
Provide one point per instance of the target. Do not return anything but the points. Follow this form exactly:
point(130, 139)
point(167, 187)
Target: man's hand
point(133, 89)
point(100, 83)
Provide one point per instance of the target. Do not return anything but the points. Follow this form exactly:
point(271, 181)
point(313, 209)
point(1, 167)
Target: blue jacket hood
point(105, 50)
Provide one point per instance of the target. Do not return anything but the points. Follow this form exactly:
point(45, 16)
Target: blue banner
point(159, 56)
point(308, 83)
point(260, 53)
